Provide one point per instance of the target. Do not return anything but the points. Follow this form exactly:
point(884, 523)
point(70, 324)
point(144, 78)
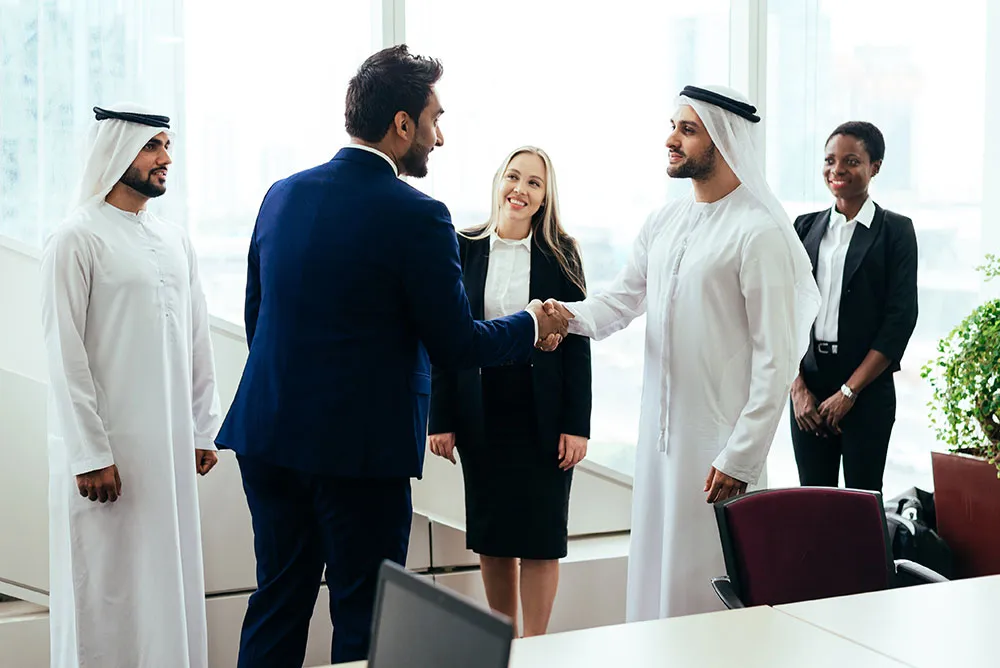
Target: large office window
point(253, 95)
point(57, 61)
point(265, 99)
point(920, 76)
point(257, 94)
point(596, 90)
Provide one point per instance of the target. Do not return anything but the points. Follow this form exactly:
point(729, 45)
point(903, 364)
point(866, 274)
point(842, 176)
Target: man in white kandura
point(730, 300)
point(133, 413)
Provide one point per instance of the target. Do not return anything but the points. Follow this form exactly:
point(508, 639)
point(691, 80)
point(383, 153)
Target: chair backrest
point(799, 544)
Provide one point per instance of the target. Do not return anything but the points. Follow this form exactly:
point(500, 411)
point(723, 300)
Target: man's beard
point(695, 168)
point(133, 179)
point(414, 161)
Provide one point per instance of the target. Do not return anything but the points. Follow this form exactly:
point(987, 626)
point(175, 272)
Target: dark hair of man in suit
point(867, 134)
point(388, 82)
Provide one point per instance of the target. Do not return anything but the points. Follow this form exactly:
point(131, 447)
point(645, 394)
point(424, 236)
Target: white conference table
point(758, 637)
point(928, 626)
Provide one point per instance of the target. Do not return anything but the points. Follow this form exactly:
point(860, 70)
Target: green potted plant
point(965, 412)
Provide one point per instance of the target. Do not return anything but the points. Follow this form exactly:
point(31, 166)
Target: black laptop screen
point(426, 627)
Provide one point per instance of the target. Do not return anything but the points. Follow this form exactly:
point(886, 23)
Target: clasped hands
point(821, 419)
point(553, 323)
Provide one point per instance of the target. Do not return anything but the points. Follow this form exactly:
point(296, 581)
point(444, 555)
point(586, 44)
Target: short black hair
point(388, 82)
point(866, 133)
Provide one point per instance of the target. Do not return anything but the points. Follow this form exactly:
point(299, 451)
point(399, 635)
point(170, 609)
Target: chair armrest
point(724, 588)
point(917, 573)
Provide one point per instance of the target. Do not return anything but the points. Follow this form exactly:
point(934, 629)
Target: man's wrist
point(534, 319)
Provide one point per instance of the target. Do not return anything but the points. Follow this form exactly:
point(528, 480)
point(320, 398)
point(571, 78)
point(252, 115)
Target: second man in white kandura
point(730, 300)
point(133, 413)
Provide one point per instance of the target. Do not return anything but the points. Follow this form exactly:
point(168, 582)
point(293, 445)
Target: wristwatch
point(846, 391)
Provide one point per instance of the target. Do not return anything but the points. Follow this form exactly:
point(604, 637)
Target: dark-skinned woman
point(865, 262)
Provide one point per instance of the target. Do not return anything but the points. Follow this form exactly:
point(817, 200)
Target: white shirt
point(362, 147)
point(508, 276)
point(729, 299)
point(830, 267)
point(132, 383)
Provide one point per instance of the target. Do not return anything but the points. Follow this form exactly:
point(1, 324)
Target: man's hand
point(443, 445)
point(721, 486)
point(553, 306)
point(834, 409)
point(101, 485)
point(205, 460)
point(572, 450)
point(552, 325)
point(804, 408)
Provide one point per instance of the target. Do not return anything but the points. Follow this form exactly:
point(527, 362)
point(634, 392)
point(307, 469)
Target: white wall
point(24, 641)
point(24, 539)
point(21, 349)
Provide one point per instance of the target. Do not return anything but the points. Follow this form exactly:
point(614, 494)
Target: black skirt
point(516, 496)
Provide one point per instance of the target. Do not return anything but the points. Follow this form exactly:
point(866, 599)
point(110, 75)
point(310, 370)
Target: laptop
point(420, 625)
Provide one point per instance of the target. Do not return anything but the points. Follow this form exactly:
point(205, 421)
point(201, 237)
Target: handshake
point(553, 323)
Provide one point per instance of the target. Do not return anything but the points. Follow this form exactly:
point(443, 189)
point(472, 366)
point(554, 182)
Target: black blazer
point(878, 299)
point(561, 379)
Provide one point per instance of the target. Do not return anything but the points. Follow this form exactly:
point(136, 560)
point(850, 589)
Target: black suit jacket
point(878, 299)
point(561, 379)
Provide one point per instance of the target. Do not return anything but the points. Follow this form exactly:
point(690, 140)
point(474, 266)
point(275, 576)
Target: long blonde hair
point(546, 225)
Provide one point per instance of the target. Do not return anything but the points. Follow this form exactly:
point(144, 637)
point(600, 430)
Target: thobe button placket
point(168, 315)
point(662, 440)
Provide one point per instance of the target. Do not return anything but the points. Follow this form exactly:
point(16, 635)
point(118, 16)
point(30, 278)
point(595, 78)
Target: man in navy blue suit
point(354, 286)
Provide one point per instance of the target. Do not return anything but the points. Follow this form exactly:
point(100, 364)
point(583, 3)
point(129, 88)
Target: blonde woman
point(520, 429)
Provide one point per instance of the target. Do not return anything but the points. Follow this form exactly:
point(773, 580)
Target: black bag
point(912, 522)
point(915, 504)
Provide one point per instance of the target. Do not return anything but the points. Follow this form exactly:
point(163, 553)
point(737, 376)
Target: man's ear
point(403, 125)
point(876, 166)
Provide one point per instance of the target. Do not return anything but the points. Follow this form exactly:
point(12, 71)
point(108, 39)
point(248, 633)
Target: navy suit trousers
point(303, 523)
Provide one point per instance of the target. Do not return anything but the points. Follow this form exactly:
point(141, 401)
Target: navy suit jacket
point(354, 285)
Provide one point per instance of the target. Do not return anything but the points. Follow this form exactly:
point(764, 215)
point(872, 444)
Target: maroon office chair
point(804, 543)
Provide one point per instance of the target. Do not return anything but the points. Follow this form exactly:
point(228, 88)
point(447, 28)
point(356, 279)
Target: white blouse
point(508, 277)
point(830, 267)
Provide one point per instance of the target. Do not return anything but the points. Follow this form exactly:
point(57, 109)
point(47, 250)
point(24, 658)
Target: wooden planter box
point(967, 502)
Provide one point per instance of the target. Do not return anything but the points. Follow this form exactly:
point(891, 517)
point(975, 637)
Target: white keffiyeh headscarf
point(113, 146)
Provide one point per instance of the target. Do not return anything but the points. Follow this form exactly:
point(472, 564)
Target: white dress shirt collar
point(494, 238)
point(395, 170)
point(865, 216)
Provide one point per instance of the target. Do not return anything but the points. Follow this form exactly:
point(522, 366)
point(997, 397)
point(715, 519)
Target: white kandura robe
point(717, 284)
point(132, 383)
